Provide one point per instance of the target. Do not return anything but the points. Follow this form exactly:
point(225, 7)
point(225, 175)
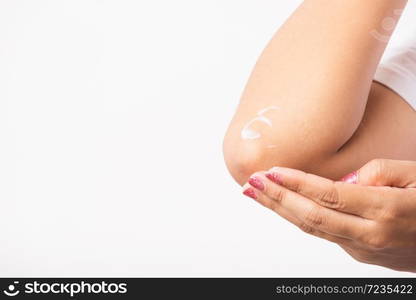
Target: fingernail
point(275, 177)
point(256, 182)
point(350, 178)
point(250, 193)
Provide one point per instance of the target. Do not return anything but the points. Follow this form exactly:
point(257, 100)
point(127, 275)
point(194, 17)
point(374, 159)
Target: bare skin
point(372, 220)
point(332, 118)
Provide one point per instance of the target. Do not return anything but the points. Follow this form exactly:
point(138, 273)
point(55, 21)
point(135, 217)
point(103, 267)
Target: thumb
point(385, 172)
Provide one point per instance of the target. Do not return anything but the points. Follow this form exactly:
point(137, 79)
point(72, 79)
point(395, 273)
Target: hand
point(373, 220)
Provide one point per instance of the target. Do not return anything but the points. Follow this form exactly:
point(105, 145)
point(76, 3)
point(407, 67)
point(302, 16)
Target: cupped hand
point(374, 220)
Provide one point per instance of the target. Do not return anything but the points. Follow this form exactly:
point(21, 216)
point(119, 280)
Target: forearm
point(316, 73)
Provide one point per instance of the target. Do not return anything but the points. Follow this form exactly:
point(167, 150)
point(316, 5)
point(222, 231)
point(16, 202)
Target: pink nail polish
point(256, 182)
point(350, 178)
point(250, 193)
point(275, 177)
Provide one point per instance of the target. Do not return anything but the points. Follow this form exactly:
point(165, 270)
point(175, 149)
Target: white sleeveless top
point(398, 72)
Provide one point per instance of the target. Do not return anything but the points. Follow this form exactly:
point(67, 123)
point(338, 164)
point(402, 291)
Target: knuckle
point(378, 242)
point(306, 228)
point(374, 169)
point(297, 186)
point(330, 197)
point(315, 217)
point(391, 211)
point(278, 194)
point(376, 163)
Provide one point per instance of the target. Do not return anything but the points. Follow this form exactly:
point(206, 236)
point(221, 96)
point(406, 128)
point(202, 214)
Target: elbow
point(242, 160)
point(245, 157)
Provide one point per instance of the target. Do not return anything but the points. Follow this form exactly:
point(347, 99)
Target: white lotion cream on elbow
point(247, 133)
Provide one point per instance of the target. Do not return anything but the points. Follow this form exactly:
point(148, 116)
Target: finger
point(387, 172)
point(284, 213)
point(310, 213)
point(349, 198)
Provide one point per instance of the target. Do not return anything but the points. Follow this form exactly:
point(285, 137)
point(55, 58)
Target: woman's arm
point(308, 92)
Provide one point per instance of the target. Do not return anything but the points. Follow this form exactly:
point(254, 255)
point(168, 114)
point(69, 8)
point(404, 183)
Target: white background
point(112, 115)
